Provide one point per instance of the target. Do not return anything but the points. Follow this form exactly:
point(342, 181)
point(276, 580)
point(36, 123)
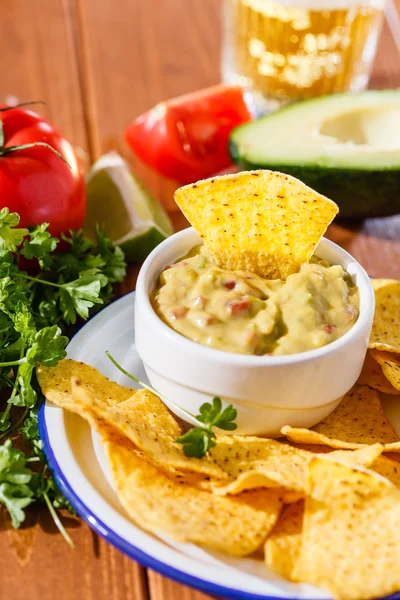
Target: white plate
point(81, 472)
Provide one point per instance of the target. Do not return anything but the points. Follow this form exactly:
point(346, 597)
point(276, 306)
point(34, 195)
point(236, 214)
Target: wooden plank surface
point(98, 64)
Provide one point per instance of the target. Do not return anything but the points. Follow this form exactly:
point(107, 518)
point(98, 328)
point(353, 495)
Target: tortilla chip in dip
point(350, 540)
point(265, 222)
point(358, 420)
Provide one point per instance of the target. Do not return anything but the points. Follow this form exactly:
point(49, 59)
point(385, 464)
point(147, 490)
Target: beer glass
point(287, 50)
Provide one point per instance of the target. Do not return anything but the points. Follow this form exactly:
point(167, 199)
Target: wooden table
point(98, 64)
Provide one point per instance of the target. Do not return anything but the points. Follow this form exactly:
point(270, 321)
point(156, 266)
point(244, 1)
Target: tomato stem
point(21, 104)
point(7, 150)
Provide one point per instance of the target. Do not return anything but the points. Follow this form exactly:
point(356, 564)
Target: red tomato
point(187, 138)
point(35, 182)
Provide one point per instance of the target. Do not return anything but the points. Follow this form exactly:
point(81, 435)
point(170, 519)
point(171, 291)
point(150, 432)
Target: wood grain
point(98, 64)
point(162, 588)
point(38, 62)
point(162, 49)
point(37, 563)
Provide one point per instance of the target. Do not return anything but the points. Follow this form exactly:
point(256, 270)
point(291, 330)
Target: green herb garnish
point(197, 441)
point(35, 314)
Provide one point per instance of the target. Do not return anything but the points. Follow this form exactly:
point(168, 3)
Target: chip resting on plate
point(55, 383)
point(265, 222)
point(277, 464)
point(350, 541)
point(358, 420)
point(161, 503)
point(390, 364)
point(373, 376)
point(390, 469)
point(385, 333)
point(147, 422)
point(283, 545)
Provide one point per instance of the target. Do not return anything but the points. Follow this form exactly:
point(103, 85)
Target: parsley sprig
point(36, 313)
point(198, 440)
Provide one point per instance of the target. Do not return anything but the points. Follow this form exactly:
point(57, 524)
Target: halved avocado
point(346, 146)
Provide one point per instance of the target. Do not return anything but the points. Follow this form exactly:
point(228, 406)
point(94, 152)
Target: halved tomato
point(186, 138)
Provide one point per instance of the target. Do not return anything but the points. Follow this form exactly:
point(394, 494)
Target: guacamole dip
point(244, 313)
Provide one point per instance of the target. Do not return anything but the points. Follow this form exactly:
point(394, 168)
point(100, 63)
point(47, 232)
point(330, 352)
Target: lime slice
point(132, 217)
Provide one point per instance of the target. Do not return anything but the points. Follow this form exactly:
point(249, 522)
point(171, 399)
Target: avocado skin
point(359, 194)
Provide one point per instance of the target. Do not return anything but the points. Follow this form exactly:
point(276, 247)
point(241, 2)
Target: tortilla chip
point(358, 420)
point(280, 465)
point(350, 542)
point(283, 545)
point(252, 462)
point(387, 468)
point(56, 383)
point(265, 222)
point(385, 333)
point(236, 463)
point(147, 422)
point(373, 376)
point(159, 503)
point(390, 364)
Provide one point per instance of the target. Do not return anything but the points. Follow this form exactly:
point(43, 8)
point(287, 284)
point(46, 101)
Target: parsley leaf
point(197, 441)
point(39, 245)
point(48, 347)
point(34, 313)
point(10, 238)
point(113, 256)
point(82, 294)
point(15, 478)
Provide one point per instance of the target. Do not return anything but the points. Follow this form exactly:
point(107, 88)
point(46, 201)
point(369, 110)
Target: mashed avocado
point(241, 312)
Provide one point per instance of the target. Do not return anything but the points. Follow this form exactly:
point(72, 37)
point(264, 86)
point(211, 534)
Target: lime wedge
point(132, 217)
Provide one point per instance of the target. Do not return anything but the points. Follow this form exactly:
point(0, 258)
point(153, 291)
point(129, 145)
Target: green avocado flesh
point(346, 146)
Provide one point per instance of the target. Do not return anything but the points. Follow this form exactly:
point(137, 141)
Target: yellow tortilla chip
point(252, 462)
point(56, 383)
point(265, 222)
point(358, 420)
point(390, 364)
point(159, 503)
point(147, 422)
point(390, 469)
point(385, 333)
point(279, 465)
point(283, 545)
point(350, 542)
point(236, 463)
point(373, 376)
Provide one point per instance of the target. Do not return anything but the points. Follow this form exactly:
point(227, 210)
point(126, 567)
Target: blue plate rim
point(144, 559)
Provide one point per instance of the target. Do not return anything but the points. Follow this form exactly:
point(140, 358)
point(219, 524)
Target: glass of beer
point(286, 50)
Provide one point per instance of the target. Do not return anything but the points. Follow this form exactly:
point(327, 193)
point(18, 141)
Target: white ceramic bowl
point(268, 391)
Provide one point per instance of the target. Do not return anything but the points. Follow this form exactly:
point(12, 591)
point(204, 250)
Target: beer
point(293, 49)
